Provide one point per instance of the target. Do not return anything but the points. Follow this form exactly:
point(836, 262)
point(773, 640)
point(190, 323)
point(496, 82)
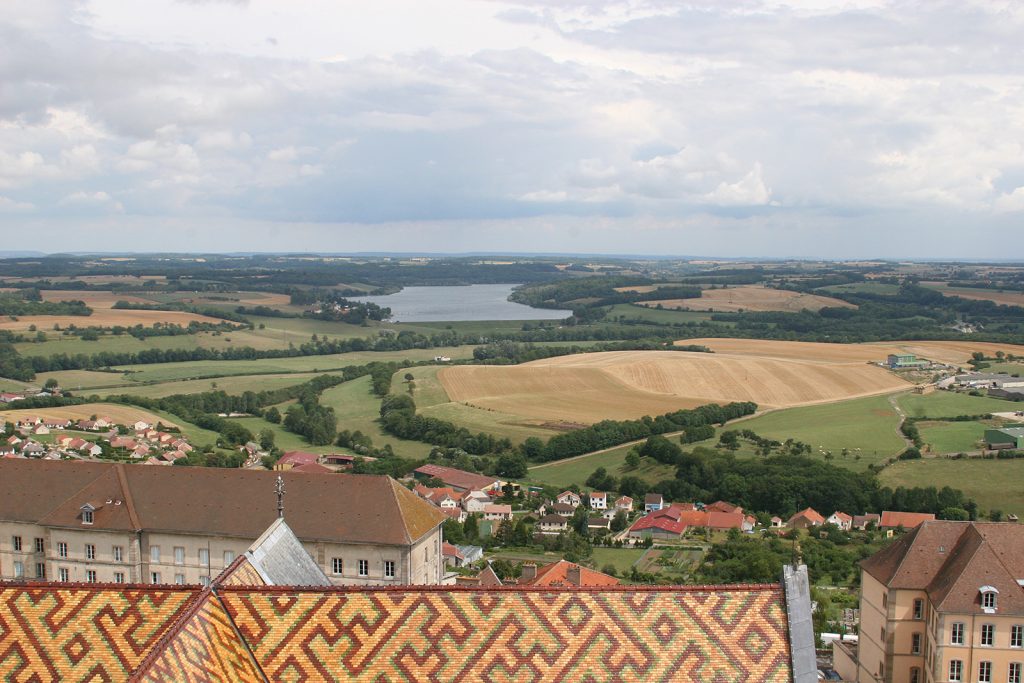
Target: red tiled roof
point(557, 573)
point(298, 458)
point(457, 478)
point(810, 514)
point(907, 520)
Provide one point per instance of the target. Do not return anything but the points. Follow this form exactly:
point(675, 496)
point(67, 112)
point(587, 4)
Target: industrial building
point(1006, 437)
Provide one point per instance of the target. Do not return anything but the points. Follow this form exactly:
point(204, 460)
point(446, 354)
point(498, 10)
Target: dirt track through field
point(590, 387)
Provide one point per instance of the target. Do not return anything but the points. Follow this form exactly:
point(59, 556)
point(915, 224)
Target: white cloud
point(8, 205)
point(92, 201)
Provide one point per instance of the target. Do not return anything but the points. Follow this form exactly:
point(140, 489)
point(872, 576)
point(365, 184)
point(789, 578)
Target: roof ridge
point(129, 503)
point(238, 632)
point(191, 608)
point(417, 588)
point(903, 558)
point(401, 512)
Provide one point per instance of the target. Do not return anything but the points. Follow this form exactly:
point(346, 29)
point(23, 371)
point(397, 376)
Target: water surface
point(453, 304)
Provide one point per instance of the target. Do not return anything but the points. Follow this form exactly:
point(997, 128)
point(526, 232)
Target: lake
point(453, 304)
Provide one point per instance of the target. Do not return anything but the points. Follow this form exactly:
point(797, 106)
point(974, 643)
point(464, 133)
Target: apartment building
point(942, 604)
point(116, 523)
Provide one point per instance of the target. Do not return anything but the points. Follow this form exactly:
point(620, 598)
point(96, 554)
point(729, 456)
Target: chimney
point(529, 571)
point(573, 575)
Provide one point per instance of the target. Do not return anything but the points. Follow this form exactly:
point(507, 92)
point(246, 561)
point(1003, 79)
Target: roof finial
point(279, 490)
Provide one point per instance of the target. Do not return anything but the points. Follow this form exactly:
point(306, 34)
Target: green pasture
point(994, 484)
point(943, 404)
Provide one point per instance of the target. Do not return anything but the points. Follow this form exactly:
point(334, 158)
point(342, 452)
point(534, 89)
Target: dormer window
point(87, 513)
point(988, 598)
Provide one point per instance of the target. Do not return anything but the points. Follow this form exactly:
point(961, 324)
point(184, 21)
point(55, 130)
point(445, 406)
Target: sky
point(733, 128)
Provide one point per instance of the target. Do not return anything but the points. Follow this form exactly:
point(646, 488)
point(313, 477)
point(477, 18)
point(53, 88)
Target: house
point(140, 451)
point(562, 574)
point(749, 522)
point(474, 501)
point(563, 509)
point(33, 449)
point(598, 500)
point(653, 502)
point(452, 556)
point(445, 498)
point(777, 522)
point(293, 459)
point(29, 421)
point(7, 397)
point(722, 520)
point(948, 598)
point(124, 442)
point(310, 468)
point(141, 426)
point(841, 520)
point(906, 520)
point(861, 522)
point(599, 524)
point(553, 524)
point(460, 480)
point(806, 518)
point(457, 514)
point(624, 503)
point(722, 506)
point(40, 430)
point(485, 579)
point(93, 449)
point(56, 422)
point(87, 425)
point(472, 553)
point(172, 456)
point(496, 513)
point(182, 445)
point(569, 498)
point(667, 523)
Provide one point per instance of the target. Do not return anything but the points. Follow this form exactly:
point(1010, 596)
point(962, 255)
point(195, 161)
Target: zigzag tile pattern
point(398, 636)
point(242, 573)
point(204, 648)
point(78, 633)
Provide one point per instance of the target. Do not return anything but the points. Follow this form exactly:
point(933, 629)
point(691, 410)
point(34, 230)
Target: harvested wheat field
point(1008, 298)
point(954, 352)
point(119, 414)
point(92, 299)
point(752, 298)
point(590, 387)
point(106, 317)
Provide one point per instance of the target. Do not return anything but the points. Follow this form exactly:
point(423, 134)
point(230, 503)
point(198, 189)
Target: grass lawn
point(940, 404)
point(864, 426)
point(562, 474)
point(953, 437)
point(357, 408)
point(994, 484)
point(621, 558)
point(284, 440)
point(163, 372)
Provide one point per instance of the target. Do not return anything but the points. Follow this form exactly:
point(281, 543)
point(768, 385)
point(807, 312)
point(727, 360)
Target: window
point(90, 551)
point(86, 516)
point(915, 675)
point(984, 672)
point(204, 557)
point(64, 576)
point(988, 599)
point(364, 568)
point(154, 553)
point(389, 569)
point(179, 555)
point(19, 570)
point(885, 600)
point(337, 566)
point(956, 670)
point(118, 554)
point(229, 557)
point(40, 545)
point(1013, 674)
point(154, 577)
point(40, 570)
point(1017, 636)
point(90, 576)
point(956, 633)
point(62, 549)
point(179, 579)
point(118, 577)
point(16, 541)
point(919, 609)
point(988, 634)
point(915, 644)
point(205, 580)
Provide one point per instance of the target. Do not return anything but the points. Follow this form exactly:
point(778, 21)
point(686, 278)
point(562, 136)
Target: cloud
point(92, 201)
point(8, 205)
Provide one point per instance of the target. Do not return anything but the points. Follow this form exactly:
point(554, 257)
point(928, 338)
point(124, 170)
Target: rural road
point(903, 418)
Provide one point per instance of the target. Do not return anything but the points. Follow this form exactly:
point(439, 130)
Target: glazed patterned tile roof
point(70, 632)
point(61, 632)
point(514, 634)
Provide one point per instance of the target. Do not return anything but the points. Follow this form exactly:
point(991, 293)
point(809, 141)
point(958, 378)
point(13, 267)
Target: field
point(622, 559)
point(866, 427)
point(163, 372)
point(576, 470)
point(862, 287)
point(994, 484)
point(955, 352)
point(118, 413)
point(92, 299)
point(586, 388)
point(76, 380)
point(106, 317)
point(357, 408)
point(945, 404)
point(752, 298)
point(1005, 297)
point(657, 315)
point(952, 437)
point(235, 385)
point(1010, 368)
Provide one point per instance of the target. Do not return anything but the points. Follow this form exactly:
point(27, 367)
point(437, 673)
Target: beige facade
point(943, 604)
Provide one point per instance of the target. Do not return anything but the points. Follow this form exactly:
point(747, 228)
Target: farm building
point(999, 380)
point(1007, 437)
point(902, 361)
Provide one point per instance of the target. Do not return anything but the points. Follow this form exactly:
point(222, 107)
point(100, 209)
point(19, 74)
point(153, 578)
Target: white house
point(625, 503)
point(494, 512)
point(474, 501)
point(841, 520)
point(569, 498)
point(598, 500)
point(653, 502)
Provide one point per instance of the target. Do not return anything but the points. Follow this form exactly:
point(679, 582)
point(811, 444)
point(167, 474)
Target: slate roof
point(446, 634)
point(198, 500)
